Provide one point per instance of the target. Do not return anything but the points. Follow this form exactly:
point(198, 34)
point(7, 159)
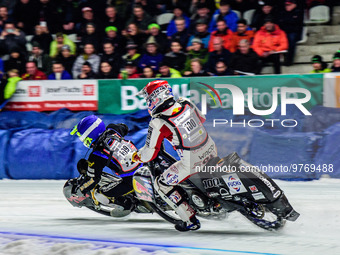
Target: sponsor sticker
point(234, 184)
point(175, 197)
point(258, 196)
point(253, 188)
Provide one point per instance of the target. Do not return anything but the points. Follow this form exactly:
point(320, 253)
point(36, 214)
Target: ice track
point(36, 219)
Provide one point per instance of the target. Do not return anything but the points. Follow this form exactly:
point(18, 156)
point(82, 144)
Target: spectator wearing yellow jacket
point(59, 42)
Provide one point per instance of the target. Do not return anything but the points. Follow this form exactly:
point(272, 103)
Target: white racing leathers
point(182, 126)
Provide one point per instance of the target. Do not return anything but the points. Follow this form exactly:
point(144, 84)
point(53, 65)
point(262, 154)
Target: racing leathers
point(109, 150)
point(182, 125)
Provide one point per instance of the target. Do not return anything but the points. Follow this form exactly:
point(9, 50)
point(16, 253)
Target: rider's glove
point(86, 185)
point(131, 158)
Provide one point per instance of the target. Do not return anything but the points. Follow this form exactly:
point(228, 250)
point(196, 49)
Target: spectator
point(129, 72)
point(182, 34)
point(245, 59)
point(291, 21)
point(150, 6)
point(91, 36)
point(26, 14)
point(269, 42)
point(66, 58)
point(11, 38)
point(197, 52)
point(165, 71)
point(161, 39)
point(106, 71)
point(319, 66)
point(69, 15)
point(132, 55)
point(148, 73)
point(224, 12)
point(200, 11)
point(140, 18)
point(201, 33)
point(12, 81)
point(59, 72)
point(222, 69)
point(132, 33)
point(336, 62)
point(16, 61)
point(195, 69)
point(241, 34)
point(219, 54)
point(112, 57)
point(88, 56)
point(86, 71)
point(59, 42)
point(42, 60)
point(171, 29)
point(176, 57)
point(4, 17)
point(87, 17)
point(48, 12)
point(114, 38)
point(112, 19)
point(43, 37)
point(151, 58)
point(266, 9)
point(32, 72)
point(224, 33)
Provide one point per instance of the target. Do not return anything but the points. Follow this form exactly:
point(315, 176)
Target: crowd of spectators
point(100, 39)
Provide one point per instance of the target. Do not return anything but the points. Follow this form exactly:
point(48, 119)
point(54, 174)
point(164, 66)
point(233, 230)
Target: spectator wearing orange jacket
point(224, 32)
point(269, 42)
point(241, 34)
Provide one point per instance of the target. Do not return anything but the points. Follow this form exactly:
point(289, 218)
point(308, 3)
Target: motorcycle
point(239, 187)
point(113, 209)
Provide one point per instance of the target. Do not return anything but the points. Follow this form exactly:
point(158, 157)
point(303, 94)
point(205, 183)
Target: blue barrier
point(40, 154)
point(24, 135)
point(327, 156)
point(4, 138)
point(280, 153)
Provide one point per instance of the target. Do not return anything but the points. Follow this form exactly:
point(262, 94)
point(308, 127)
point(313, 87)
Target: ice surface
point(35, 218)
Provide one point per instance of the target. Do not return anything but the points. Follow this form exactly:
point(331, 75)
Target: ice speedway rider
point(181, 123)
point(108, 149)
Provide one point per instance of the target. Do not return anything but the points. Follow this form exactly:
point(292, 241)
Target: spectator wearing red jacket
point(32, 72)
point(269, 42)
point(223, 32)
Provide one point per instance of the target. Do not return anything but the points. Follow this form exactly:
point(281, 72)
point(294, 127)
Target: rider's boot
point(176, 198)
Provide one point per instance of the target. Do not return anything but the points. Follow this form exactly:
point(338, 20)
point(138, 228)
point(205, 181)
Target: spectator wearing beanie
point(165, 71)
point(132, 55)
point(197, 51)
point(224, 33)
point(242, 33)
point(336, 62)
point(201, 33)
point(319, 66)
point(59, 42)
point(161, 39)
point(152, 57)
point(86, 71)
point(66, 58)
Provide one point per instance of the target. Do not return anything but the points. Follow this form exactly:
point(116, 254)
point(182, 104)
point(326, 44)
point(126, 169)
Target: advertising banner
point(331, 95)
point(76, 95)
point(120, 96)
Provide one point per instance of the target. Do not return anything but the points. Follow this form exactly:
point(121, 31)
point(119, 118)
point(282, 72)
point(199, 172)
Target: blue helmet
point(89, 129)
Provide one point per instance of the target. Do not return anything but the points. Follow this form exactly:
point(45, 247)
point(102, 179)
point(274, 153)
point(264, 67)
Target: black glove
point(121, 128)
point(82, 166)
